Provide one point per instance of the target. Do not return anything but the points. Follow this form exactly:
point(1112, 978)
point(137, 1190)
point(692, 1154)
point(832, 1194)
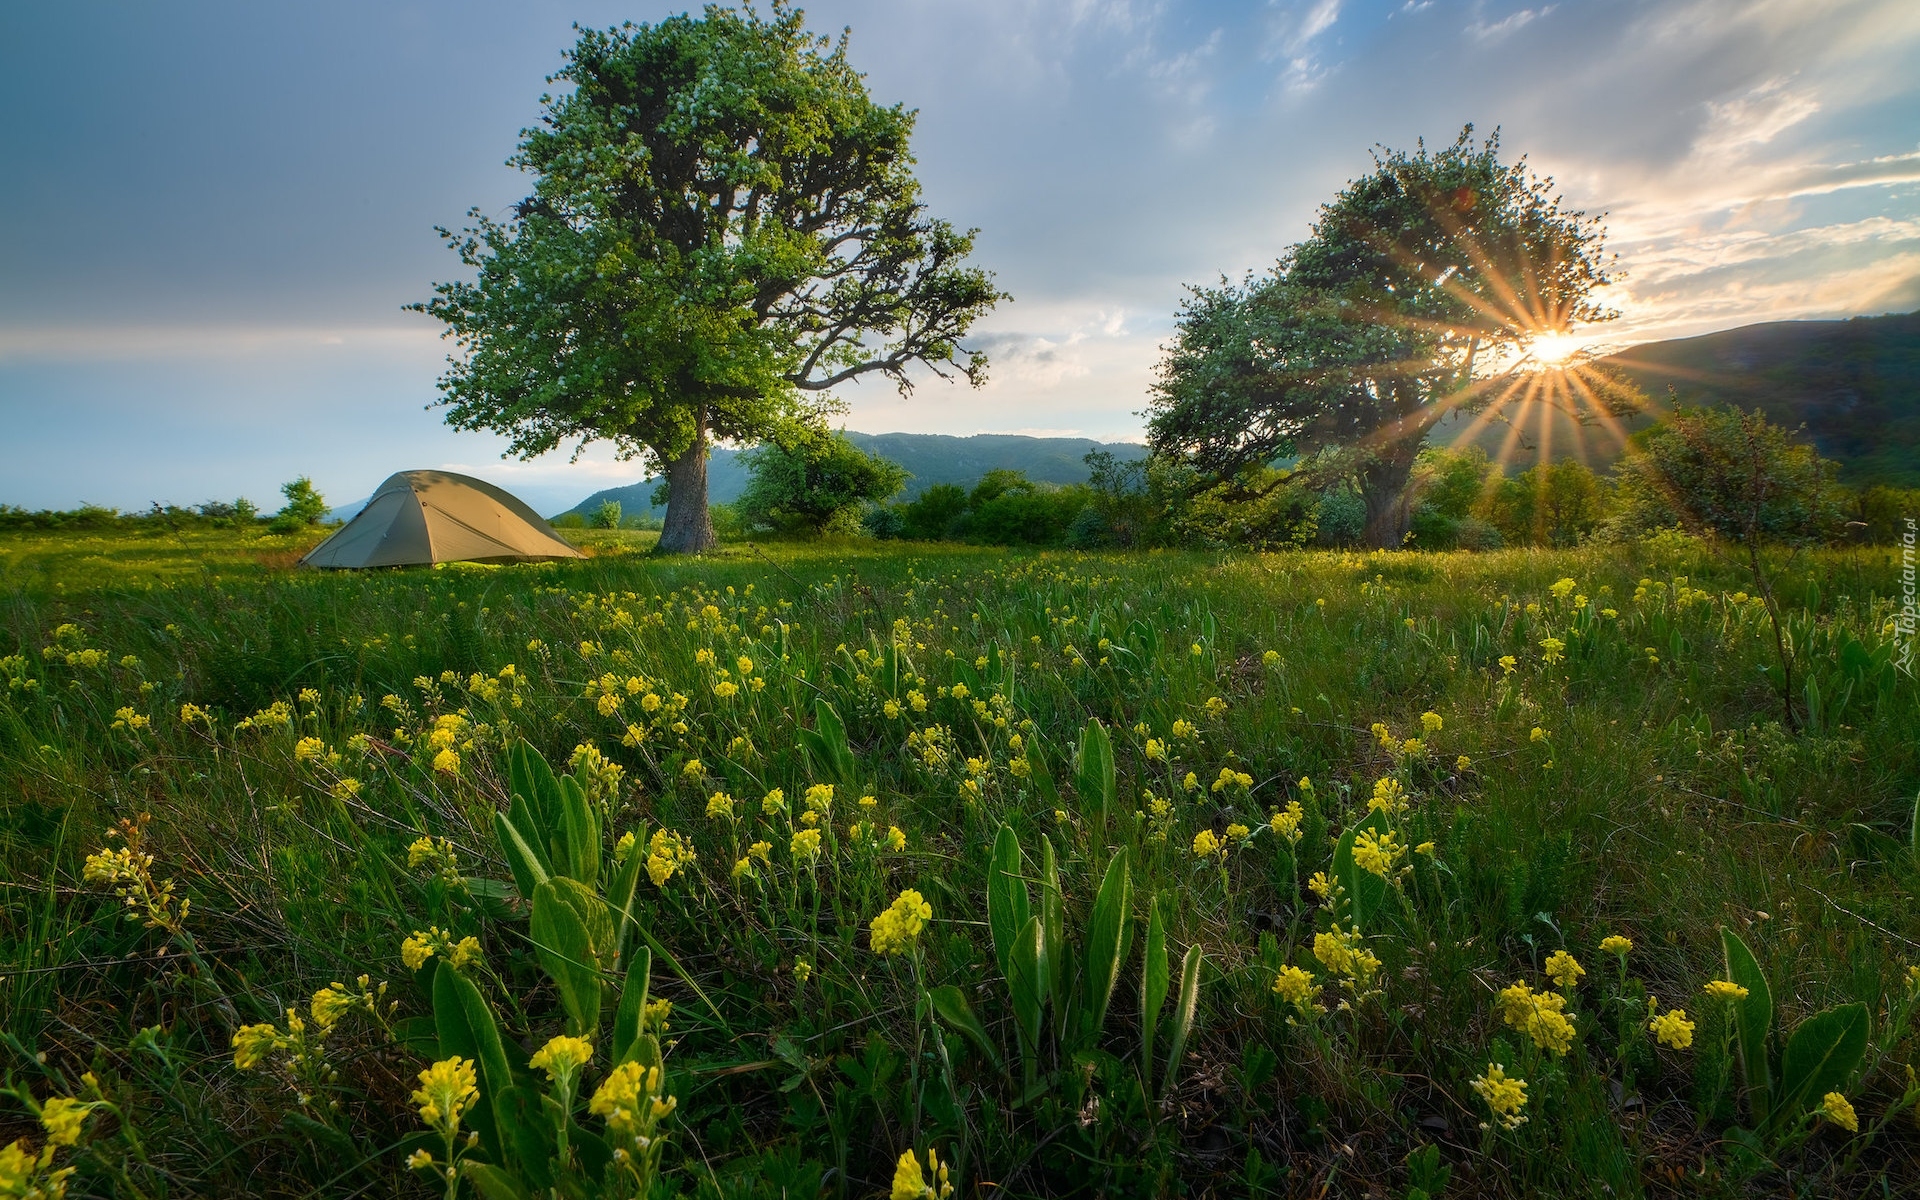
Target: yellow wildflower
point(1206, 845)
point(1431, 722)
point(1613, 943)
point(1721, 989)
point(806, 844)
point(896, 930)
point(447, 1089)
point(1320, 885)
point(562, 1057)
point(447, 762)
point(62, 1117)
point(1388, 797)
point(1286, 822)
point(1834, 1107)
point(308, 749)
point(667, 853)
point(1564, 969)
point(720, 805)
point(1295, 986)
point(1671, 1027)
point(252, 1044)
point(1505, 1095)
point(1377, 854)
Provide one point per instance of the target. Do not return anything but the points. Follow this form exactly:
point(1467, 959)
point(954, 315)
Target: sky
point(211, 214)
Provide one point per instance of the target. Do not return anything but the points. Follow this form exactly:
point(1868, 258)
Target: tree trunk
point(688, 528)
point(1383, 488)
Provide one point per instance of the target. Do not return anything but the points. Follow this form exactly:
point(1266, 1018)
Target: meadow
point(855, 869)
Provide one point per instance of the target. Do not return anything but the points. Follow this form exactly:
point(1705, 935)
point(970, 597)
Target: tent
point(436, 517)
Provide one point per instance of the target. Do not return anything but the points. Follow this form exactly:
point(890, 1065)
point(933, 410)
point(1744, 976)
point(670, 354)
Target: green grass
point(1662, 800)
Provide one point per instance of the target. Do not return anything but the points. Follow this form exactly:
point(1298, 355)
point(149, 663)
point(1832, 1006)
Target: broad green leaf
point(529, 869)
point(1753, 1020)
point(1027, 984)
point(532, 779)
point(491, 1182)
point(1366, 892)
point(1913, 832)
point(1183, 1010)
point(1059, 955)
point(622, 893)
point(633, 1004)
point(826, 744)
point(580, 830)
point(1008, 902)
point(1107, 929)
point(529, 1122)
point(1820, 1057)
point(1041, 774)
point(465, 1023)
point(950, 1005)
point(1154, 979)
point(564, 941)
point(1095, 781)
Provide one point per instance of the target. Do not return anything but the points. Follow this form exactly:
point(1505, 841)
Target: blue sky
point(213, 213)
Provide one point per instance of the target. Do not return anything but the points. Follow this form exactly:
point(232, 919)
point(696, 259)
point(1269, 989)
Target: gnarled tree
point(723, 226)
point(1362, 337)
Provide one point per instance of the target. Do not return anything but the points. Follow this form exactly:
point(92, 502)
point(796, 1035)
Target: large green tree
point(1414, 281)
point(723, 226)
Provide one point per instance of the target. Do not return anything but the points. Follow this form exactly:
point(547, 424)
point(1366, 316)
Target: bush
point(935, 513)
point(305, 506)
point(1555, 504)
point(883, 521)
point(606, 516)
point(1341, 517)
point(1733, 475)
point(819, 482)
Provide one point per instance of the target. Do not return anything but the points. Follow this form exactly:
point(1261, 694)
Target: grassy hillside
point(929, 457)
point(1854, 384)
point(1353, 827)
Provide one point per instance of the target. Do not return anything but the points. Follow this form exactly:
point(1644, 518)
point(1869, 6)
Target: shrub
point(818, 482)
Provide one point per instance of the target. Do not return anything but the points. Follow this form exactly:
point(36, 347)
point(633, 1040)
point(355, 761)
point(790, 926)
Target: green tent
point(436, 517)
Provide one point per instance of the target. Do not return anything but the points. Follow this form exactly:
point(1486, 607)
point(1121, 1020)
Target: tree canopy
point(1414, 280)
point(723, 225)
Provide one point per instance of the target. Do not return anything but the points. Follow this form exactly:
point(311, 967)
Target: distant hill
point(1854, 385)
point(930, 457)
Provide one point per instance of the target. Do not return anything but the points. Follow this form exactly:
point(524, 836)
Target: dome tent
point(436, 517)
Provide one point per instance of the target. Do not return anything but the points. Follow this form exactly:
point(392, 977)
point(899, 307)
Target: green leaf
point(529, 1124)
point(570, 947)
point(1183, 1010)
point(1008, 902)
point(1154, 980)
point(1107, 929)
point(1366, 892)
point(1058, 954)
point(491, 1182)
point(826, 744)
point(1913, 832)
point(1753, 1020)
point(622, 892)
point(1041, 774)
point(950, 1005)
point(466, 1027)
point(1820, 1057)
point(529, 867)
point(1027, 973)
point(532, 782)
point(580, 830)
point(627, 1018)
point(1095, 781)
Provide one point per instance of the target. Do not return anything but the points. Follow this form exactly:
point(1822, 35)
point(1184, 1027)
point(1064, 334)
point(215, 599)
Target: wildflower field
point(930, 871)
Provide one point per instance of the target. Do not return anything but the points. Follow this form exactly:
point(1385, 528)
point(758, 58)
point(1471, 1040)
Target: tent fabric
point(435, 517)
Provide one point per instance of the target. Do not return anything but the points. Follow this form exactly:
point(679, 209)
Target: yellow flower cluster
point(562, 1058)
point(1388, 797)
point(630, 1101)
point(1286, 822)
point(1613, 943)
point(1377, 854)
point(667, 853)
point(1721, 989)
point(1564, 969)
point(1540, 1015)
point(1834, 1107)
point(1296, 986)
point(1671, 1027)
point(911, 1183)
point(897, 930)
point(1344, 953)
point(420, 946)
point(447, 1090)
point(1505, 1095)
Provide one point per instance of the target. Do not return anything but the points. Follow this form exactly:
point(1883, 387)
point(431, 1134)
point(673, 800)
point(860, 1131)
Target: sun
point(1552, 349)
